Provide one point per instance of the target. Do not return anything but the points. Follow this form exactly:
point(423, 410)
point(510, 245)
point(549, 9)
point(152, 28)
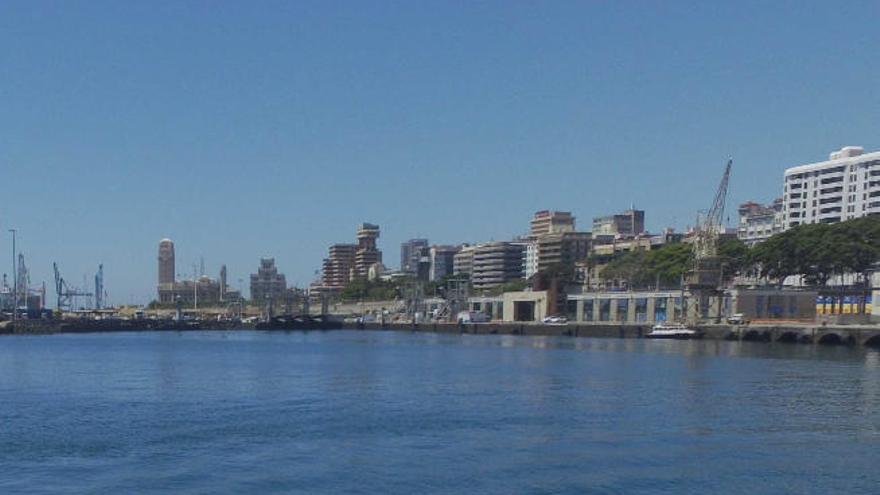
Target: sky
point(249, 129)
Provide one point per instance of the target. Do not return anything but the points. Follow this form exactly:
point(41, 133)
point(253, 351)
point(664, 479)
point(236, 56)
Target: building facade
point(166, 261)
point(267, 284)
point(463, 261)
point(562, 249)
point(442, 259)
point(758, 222)
point(409, 254)
point(338, 267)
point(547, 222)
point(845, 186)
point(630, 222)
point(495, 263)
point(366, 253)
point(530, 258)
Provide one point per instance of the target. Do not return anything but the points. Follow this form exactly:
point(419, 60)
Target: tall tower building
point(166, 262)
point(222, 283)
point(366, 253)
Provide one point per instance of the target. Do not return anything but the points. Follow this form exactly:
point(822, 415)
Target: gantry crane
point(66, 295)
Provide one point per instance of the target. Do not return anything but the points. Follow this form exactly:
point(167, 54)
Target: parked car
point(737, 319)
point(555, 320)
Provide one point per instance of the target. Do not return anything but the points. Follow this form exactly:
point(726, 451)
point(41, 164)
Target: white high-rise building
point(845, 186)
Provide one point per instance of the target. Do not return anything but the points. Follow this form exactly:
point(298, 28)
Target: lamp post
point(14, 279)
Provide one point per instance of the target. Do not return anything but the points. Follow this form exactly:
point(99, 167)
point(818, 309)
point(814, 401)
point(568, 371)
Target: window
point(660, 309)
point(622, 309)
point(604, 309)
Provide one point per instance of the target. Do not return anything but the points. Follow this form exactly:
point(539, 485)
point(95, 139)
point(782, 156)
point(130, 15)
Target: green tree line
point(816, 251)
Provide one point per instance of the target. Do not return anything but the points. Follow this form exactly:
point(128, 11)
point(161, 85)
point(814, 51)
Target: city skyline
point(277, 138)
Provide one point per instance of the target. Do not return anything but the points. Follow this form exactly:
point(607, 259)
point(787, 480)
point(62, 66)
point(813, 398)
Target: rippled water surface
point(401, 413)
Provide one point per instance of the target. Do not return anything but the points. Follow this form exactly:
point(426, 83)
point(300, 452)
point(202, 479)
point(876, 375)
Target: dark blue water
point(379, 412)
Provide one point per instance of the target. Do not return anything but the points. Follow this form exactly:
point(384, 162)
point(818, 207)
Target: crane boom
point(706, 241)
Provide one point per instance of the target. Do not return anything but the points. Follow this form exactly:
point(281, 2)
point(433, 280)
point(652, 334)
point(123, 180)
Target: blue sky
point(273, 128)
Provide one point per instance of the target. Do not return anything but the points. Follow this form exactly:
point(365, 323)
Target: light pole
point(14, 279)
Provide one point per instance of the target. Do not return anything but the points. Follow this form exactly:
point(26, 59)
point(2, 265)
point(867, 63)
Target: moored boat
point(673, 331)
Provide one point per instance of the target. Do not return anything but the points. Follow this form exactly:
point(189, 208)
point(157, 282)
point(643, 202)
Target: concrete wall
point(539, 298)
point(624, 307)
point(773, 304)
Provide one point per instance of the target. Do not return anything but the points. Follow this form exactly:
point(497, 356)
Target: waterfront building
point(463, 261)
point(630, 222)
point(267, 284)
point(845, 186)
point(409, 254)
point(495, 263)
point(758, 222)
point(338, 267)
point(366, 253)
point(442, 261)
point(547, 222)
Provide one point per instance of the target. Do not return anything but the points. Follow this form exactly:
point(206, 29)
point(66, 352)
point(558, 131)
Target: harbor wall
point(793, 333)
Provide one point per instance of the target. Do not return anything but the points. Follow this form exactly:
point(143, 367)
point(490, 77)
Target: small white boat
point(672, 331)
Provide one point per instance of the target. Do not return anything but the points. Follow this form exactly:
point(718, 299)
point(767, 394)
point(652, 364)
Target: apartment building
point(495, 263)
point(845, 186)
point(758, 222)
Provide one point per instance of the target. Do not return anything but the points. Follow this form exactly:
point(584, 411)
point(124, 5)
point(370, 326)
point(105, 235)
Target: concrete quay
point(864, 335)
point(800, 333)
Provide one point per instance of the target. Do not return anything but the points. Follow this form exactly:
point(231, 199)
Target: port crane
point(708, 231)
point(705, 279)
point(66, 295)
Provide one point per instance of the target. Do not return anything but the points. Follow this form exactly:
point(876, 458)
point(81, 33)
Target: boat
point(299, 322)
point(673, 331)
